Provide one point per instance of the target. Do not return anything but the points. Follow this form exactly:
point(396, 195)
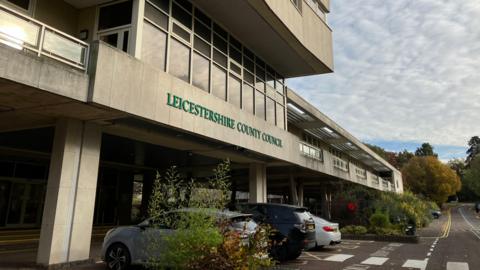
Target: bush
point(353, 229)
point(379, 220)
point(199, 239)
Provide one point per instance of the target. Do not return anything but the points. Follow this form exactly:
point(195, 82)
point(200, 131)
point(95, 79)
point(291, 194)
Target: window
point(182, 16)
point(115, 15)
point(247, 98)
point(25, 4)
point(219, 82)
point(270, 108)
point(202, 31)
point(280, 110)
point(234, 91)
point(156, 16)
point(297, 4)
point(154, 46)
point(201, 72)
point(179, 60)
point(260, 104)
point(201, 46)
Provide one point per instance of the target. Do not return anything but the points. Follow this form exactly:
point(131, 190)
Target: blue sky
point(406, 72)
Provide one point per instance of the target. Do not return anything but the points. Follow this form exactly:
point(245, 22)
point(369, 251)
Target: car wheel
point(280, 253)
point(117, 257)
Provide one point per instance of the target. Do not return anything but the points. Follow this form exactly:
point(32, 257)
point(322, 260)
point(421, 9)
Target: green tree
point(471, 178)
point(425, 150)
point(427, 176)
point(403, 158)
point(458, 165)
point(473, 150)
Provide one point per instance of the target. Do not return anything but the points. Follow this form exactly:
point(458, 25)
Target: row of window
point(340, 164)
point(311, 151)
point(361, 173)
point(183, 41)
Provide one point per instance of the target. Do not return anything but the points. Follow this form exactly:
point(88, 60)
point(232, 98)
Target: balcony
point(340, 164)
point(361, 175)
point(24, 33)
point(385, 185)
point(375, 181)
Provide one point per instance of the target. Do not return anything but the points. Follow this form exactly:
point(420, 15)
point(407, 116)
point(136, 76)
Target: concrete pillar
point(70, 198)
point(300, 193)
point(293, 191)
point(257, 183)
point(326, 204)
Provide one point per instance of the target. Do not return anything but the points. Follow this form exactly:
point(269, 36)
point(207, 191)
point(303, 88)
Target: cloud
point(404, 70)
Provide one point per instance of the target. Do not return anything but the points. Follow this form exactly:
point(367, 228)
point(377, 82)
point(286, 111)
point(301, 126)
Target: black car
point(294, 228)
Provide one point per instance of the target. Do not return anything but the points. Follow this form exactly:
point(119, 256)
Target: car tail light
point(328, 229)
point(302, 227)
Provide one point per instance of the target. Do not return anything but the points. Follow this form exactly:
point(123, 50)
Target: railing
point(311, 151)
point(385, 185)
point(316, 8)
point(375, 181)
point(22, 32)
point(340, 164)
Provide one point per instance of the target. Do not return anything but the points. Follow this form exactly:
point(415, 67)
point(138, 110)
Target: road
point(451, 242)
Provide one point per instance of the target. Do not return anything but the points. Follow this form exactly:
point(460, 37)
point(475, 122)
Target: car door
point(150, 243)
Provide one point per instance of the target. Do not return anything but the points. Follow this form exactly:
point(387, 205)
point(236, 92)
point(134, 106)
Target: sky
point(406, 72)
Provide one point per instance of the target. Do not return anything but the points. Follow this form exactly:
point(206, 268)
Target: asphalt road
point(449, 243)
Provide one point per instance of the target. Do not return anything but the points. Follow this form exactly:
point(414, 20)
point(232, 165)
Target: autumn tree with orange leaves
point(428, 176)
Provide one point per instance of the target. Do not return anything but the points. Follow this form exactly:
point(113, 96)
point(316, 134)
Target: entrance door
point(25, 205)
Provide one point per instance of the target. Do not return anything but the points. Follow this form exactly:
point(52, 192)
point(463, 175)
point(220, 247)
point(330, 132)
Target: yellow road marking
point(447, 226)
point(17, 250)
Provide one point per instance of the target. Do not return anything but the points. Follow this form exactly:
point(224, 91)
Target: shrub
point(379, 220)
point(353, 229)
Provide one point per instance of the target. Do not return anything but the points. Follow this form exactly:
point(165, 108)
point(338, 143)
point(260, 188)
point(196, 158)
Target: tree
point(471, 178)
point(427, 176)
point(403, 158)
point(425, 150)
point(473, 150)
point(390, 157)
point(458, 165)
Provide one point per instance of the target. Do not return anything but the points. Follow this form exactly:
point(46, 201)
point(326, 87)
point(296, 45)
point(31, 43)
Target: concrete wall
point(43, 73)
point(57, 14)
point(307, 27)
point(124, 83)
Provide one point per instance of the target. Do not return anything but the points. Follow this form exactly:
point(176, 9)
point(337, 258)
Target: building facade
point(97, 96)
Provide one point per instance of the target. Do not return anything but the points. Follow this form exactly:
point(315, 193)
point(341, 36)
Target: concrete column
point(326, 203)
point(300, 193)
point(293, 191)
point(257, 183)
point(70, 198)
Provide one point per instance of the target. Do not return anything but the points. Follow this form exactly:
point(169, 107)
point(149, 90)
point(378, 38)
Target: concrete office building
point(96, 96)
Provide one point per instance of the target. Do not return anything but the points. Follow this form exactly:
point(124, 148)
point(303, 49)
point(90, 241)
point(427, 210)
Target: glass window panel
point(201, 46)
point(219, 58)
point(279, 86)
point(20, 3)
point(260, 72)
point(181, 32)
point(154, 46)
point(200, 72)
point(202, 17)
point(248, 53)
point(185, 4)
point(270, 92)
point(162, 4)
point(156, 16)
point(235, 54)
point(270, 108)
point(259, 84)
point(279, 98)
point(248, 77)
point(115, 15)
point(219, 30)
point(260, 105)
point(259, 62)
point(235, 43)
point(179, 60)
point(248, 64)
point(270, 70)
point(234, 91)
point(280, 111)
point(220, 44)
point(235, 68)
point(125, 41)
point(182, 16)
point(247, 98)
point(17, 30)
point(270, 80)
point(202, 31)
point(219, 82)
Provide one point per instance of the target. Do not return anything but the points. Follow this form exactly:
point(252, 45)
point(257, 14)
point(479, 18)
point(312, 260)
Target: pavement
point(451, 242)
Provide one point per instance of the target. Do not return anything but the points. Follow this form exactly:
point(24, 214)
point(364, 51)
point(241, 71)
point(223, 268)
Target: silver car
point(129, 245)
point(326, 232)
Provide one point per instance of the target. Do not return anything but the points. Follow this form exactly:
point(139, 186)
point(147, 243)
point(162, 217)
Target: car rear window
point(282, 214)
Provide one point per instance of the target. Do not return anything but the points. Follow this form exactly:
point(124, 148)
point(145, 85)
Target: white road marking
point(416, 264)
point(375, 261)
point(473, 227)
point(357, 267)
point(313, 256)
point(338, 258)
point(457, 266)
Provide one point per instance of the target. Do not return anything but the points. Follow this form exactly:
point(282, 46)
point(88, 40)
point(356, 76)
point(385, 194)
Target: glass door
point(25, 204)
